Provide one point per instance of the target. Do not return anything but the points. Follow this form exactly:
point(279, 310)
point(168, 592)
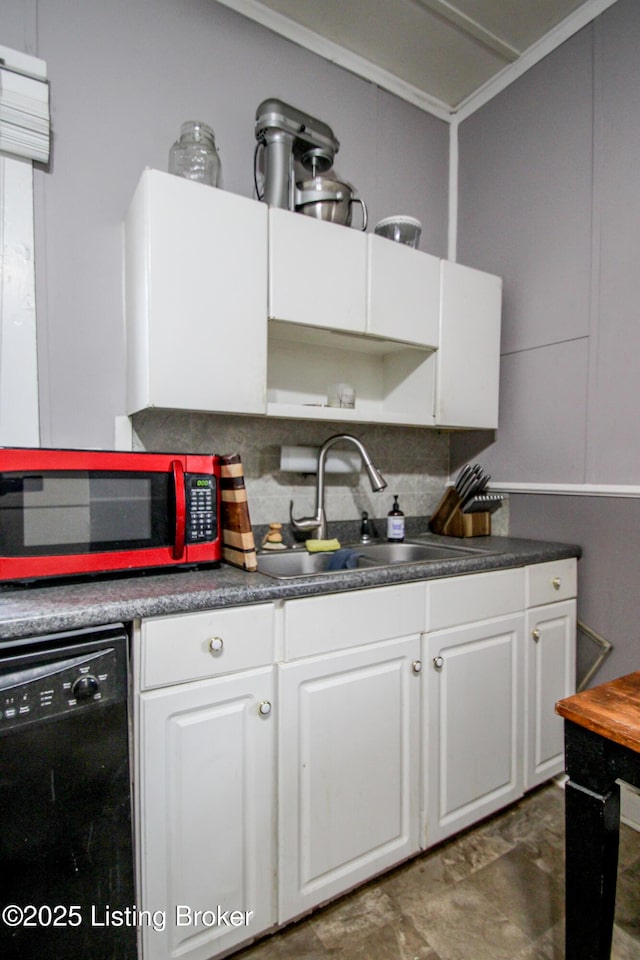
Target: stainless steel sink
point(292, 563)
point(299, 563)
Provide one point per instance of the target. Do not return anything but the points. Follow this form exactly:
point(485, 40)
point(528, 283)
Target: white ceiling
point(438, 54)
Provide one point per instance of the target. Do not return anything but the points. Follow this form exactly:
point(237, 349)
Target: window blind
point(24, 114)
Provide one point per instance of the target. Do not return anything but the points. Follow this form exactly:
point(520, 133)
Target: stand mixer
point(287, 134)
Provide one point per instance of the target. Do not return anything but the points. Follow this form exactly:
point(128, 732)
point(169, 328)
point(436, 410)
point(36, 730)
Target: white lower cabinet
point(349, 763)
point(499, 653)
point(473, 699)
point(383, 720)
point(473, 696)
point(550, 664)
point(207, 828)
point(550, 675)
point(205, 780)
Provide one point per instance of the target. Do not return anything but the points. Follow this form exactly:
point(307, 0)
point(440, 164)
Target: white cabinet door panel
point(468, 357)
point(196, 297)
point(349, 770)
point(317, 272)
point(551, 676)
point(206, 762)
point(403, 292)
point(473, 698)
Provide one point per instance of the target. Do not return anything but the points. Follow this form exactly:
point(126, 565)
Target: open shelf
point(394, 382)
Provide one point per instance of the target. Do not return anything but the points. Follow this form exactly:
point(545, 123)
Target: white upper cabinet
point(235, 307)
point(323, 275)
point(403, 293)
point(196, 297)
point(316, 272)
point(468, 358)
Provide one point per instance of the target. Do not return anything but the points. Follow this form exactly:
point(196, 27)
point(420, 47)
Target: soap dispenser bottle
point(395, 522)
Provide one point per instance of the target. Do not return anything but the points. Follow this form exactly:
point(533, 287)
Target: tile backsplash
point(413, 460)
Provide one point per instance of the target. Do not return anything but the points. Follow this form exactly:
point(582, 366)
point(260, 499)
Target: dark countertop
point(28, 611)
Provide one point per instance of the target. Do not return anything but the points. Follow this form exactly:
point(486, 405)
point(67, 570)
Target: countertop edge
point(36, 610)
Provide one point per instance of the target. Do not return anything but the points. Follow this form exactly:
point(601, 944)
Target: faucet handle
point(365, 529)
point(303, 523)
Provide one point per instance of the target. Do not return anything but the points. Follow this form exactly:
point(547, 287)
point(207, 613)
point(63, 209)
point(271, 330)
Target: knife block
point(449, 520)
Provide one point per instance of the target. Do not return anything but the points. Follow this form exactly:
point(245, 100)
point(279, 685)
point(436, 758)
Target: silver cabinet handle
point(535, 634)
point(416, 666)
point(216, 645)
point(556, 583)
point(438, 662)
point(264, 708)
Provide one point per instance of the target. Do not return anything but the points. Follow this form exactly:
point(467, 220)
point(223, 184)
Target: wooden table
point(602, 744)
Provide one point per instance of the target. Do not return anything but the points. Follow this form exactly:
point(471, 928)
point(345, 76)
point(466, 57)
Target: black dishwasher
point(66, 851)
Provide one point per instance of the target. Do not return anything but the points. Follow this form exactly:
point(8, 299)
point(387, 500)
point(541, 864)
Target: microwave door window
point(61, 512)
point(56, 510)
point(121, 509)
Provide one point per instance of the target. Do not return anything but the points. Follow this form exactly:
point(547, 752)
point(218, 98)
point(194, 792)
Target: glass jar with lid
point(194, 155)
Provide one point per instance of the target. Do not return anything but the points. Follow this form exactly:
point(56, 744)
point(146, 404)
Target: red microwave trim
point(19, 568)
point(43, 458)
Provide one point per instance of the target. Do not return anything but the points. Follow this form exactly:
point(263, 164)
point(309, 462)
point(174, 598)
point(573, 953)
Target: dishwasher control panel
point(57, 688)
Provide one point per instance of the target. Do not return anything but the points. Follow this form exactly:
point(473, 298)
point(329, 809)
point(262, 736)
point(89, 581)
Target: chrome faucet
point(319, 521)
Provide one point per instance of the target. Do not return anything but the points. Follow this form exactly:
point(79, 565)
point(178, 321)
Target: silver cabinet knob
point(264, 708)
point(416, 666)
point(216, 645)
point(535, 634)
point(438, 662)
point(556, 583)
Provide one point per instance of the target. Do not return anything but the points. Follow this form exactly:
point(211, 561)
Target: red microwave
point(68, 512)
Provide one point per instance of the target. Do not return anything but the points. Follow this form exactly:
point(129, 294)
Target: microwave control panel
point(201, 507)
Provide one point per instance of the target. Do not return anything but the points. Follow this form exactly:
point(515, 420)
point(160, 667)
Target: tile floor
point(493, 893)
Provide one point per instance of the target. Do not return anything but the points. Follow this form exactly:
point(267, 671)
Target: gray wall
point(550, 198)
point(124, 75)
point(525, 212)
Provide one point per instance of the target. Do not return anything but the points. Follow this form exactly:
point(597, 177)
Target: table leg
point(593, 827)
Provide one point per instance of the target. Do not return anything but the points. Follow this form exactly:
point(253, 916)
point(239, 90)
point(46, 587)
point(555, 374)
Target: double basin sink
point(286, 564)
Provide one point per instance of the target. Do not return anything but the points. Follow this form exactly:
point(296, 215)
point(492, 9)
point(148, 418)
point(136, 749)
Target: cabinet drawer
point(548, 582)
point(316, 625)
point(480, 596)
point(175, 649)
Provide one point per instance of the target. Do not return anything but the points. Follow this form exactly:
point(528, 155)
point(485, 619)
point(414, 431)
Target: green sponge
point(322, 546)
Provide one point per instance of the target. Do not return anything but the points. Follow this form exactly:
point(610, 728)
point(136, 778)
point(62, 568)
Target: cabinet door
point(348, 782)
point(196, 297)
point(206, 814)
point(403, 292)
point(473, 744)
point(317, 272)
point(550, 676)
point(468, 358)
